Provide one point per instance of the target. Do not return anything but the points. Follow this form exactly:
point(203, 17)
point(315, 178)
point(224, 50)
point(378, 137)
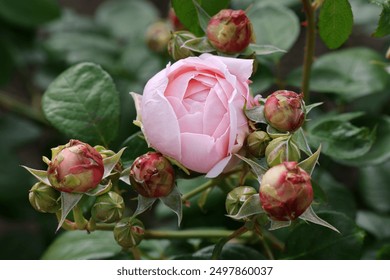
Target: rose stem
point(10, 103)
point(199, 189)
point(219, 246)
point(309, 48)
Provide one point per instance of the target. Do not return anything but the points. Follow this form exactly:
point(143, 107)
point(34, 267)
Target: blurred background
point(40, 39)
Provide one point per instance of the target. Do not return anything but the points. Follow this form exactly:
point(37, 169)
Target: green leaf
point(29, 13)
point(349, 73)
point(374, 187)
point(7, 64)
point(136, 146)
point(126, 19)
point(80, 245)
point(380, 150)
point(314, 242)
point(229, 252)
point(75, 47)
point(187, 13)
point(203, 16)
point(274, 25)
point(383, 28)
point(377, 225)
point(335, 22)
point(83, 104)
point(340, 139)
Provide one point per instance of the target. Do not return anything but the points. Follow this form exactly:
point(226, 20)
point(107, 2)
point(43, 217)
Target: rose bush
point(192, 111)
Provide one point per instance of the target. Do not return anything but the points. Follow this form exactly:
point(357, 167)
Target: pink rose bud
point(157, 36)
point(284, 110)
point(152, 175)
point(75, 167)
point(285, 191)
point(230, 31)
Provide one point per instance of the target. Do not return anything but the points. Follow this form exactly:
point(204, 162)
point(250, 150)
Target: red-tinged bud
point(284, 110)
point(75, 168)
point(152, 175)
point(129, 232)
point(286, 191)
point(157, 36)
point(230, 31)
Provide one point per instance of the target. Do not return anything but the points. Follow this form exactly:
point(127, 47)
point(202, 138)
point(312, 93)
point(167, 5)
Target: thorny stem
point(12, 104)
point(309, 48)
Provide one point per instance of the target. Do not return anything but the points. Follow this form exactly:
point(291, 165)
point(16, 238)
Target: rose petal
point(241, 68)
point(198, 152)
point(214, 112)
point(191, 123)
point(218, 168)
point(160, 125)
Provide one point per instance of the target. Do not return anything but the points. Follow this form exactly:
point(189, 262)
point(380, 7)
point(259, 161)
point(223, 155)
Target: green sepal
point(249, 208)
point(257, 169)
point(178, 164)
point(299, 138)
point(110, 162)
point(308, 108)
point(262, 49)
point(125, 176)
point(256, 114)
point(199, 45)
point(173, 201)
point(68, 202)
point(100, 189)
point(309, 163)
point(203, 16)
point(144, 203)
point(275, 133)
point(311, 216)
point(41, 175)
point(279, 224)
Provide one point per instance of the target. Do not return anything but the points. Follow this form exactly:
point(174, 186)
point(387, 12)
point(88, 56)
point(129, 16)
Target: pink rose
point(192, 111)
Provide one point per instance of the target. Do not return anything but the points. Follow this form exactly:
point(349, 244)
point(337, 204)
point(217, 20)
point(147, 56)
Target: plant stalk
point(309, 48)
point(12, 104)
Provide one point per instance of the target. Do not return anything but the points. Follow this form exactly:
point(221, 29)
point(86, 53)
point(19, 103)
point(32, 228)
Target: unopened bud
point(284, 110)
point(230, 31)
point(129, 232)
point(108, 208)
point(75, 167)
point(236, 198)
point(285, 191)
point(257, 143)
point(175, 45)
point(281, 149)
point(44, 198)
point(157, 36)
point(152, 175)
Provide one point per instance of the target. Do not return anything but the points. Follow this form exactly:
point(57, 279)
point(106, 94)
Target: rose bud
point(75, 167)
point(236, 198)
point(129, 232)
point(108, 208)
point(176, 42)
point(157, 36)
point(285, 191)
point(230, 31)
point(44, 198)
point(284, 110)
point(281, 149)
point(152, 175)
point(257, 142)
